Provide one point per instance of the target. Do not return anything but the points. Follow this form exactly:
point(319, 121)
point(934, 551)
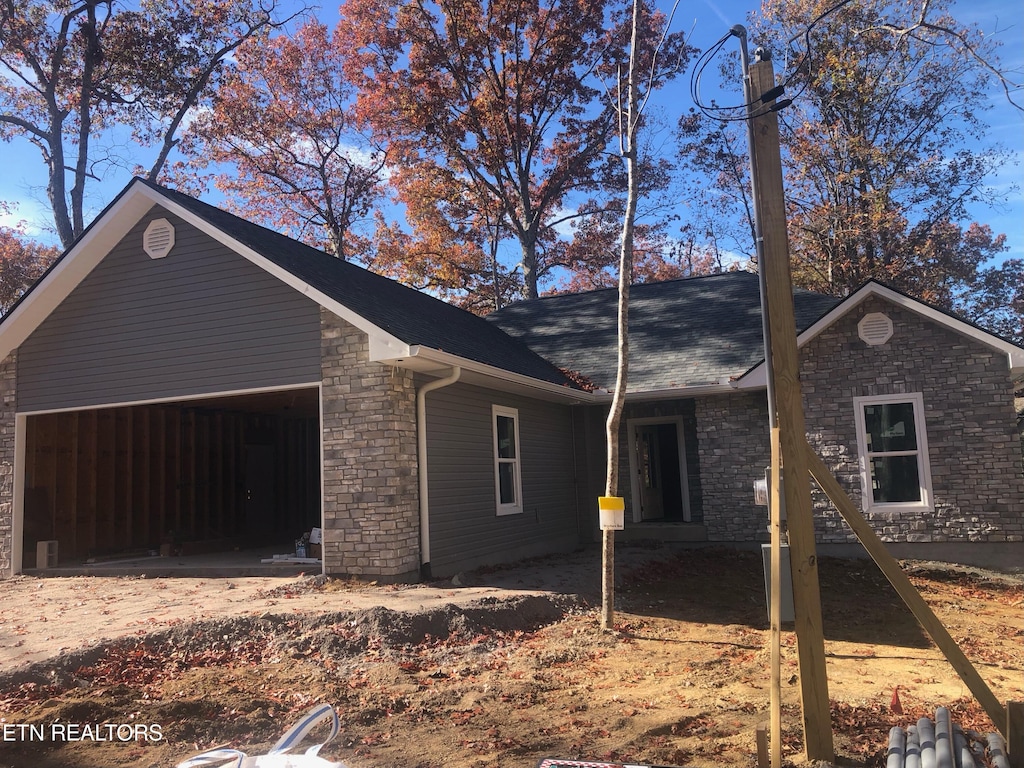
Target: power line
point(749, 110)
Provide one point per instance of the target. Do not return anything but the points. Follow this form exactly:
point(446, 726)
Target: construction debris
point(943, 744)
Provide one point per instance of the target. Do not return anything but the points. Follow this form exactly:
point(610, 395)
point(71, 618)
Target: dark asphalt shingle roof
point(684, 332)
point(407, 314)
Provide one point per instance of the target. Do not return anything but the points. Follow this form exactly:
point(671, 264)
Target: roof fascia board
point(446, 359)
point(756, 377)
point(674, 393)
point(599, 396)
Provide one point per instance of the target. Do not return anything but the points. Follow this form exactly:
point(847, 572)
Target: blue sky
point(22, 180)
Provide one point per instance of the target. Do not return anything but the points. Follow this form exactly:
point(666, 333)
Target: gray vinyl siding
point(465, 529)
point(201, 320)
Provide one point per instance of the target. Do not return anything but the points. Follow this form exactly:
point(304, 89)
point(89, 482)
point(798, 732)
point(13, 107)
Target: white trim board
point(173, 399)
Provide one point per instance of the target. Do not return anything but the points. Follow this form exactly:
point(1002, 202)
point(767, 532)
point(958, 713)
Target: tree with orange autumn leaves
point(289, 155)
point(22, 262)
point(496, 112)
point(884, 150)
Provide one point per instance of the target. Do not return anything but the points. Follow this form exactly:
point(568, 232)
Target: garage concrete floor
point(237, 563)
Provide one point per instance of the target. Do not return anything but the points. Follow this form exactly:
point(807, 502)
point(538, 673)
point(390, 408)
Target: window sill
point(895, 510)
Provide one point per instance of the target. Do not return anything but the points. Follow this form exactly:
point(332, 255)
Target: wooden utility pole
point(767, 173)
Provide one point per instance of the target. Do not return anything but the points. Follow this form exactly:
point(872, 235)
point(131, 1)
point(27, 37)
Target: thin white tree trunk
point(627, 139)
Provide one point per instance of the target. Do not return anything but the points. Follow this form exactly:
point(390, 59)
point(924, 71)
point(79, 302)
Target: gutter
point(421, 457)
point(562, 391)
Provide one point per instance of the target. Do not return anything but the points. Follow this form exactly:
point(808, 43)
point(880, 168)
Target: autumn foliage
point(885, 153)
point(496, 114)
point(285, 145)
point(22, 261)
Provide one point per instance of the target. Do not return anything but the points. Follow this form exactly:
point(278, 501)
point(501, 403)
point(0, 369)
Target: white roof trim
point(757, 377)
point(674, 393)
point(418, 352)
point(107, 231)
point(429, 360)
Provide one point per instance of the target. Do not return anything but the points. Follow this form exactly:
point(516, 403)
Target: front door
point(649, 472)
point(657, 460)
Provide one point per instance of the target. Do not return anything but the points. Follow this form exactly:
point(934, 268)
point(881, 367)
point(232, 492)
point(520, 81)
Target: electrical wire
point(746, 111)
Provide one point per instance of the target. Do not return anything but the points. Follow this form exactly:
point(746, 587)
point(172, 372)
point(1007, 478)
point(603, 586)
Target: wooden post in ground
point(1015, 733)
point(775, 606)
point(785, 364)
point(761, 738)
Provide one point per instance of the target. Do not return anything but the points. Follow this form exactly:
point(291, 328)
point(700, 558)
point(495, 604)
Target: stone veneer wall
point(8, 403)
point(975, 456)
point(370, 498)
point(976, 469)
point(732, 435)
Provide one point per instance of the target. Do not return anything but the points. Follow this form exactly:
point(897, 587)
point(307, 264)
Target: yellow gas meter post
point(612, 518)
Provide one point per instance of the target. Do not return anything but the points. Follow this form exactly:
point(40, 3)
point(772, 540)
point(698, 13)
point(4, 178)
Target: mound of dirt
point(509, 678)
point(329, 634)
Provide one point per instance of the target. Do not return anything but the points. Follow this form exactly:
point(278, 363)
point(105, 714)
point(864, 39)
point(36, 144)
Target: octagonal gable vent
point(158, 239)
point(875, 328)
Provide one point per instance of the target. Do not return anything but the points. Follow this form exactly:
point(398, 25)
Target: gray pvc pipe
point(926, 733)
point(964, 756)
point(943, 739)
point(897, 748)
point(997, 751)
point(913, 756)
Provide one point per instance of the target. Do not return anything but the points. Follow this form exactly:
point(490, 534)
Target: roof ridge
point(592, 291)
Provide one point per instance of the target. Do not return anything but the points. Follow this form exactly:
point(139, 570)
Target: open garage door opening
point(179, 478)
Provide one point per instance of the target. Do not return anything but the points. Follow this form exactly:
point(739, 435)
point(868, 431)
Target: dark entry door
point(260, 491)
point(659, 474)
point(649, 471)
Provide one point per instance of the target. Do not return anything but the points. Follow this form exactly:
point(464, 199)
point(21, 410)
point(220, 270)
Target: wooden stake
point(775, 608)
point(761, 736)
point(891, 568)
point(785, 364)
point(1015, 733)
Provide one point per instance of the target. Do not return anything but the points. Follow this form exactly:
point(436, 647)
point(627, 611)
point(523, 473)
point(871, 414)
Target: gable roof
point(401, 322)
point(756, 376)
point(699, 332)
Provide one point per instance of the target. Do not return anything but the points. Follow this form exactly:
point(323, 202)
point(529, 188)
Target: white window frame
point(516, 507)
point(923, 459)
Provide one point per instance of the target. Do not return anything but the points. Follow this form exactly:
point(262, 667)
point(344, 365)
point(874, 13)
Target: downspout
point(421, 456)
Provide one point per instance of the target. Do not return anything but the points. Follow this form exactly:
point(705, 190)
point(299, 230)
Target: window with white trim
point(895, 472)
point(508, 486)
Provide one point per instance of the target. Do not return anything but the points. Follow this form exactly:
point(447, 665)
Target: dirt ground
point(499, 668)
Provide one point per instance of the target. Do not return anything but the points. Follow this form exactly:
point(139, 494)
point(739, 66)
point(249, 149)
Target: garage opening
point(191, 477)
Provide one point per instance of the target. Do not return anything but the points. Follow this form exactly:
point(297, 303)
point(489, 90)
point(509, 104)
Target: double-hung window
point(507, 476)
point(893, 452)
